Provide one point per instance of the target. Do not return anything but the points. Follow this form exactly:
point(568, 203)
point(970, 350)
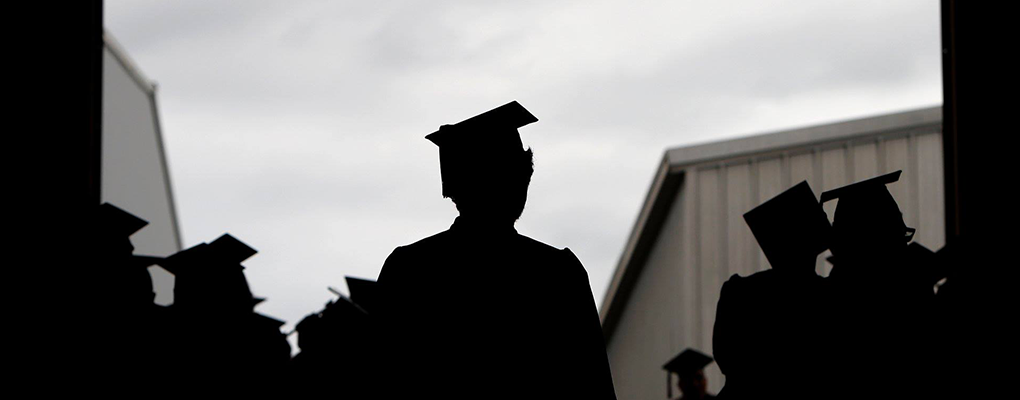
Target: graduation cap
point(363, 291)
point(489, 137)
point(226, 250)
point(115, 229)
point(115, 221)
point(862, 188)
point(212, 272)
point(868, 201)
point(231, 249)
point(181, 260)
point(789, 223)
point(687, 362)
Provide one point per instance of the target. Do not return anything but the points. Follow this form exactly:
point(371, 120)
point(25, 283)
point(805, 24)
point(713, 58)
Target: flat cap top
point(688, 361)
point(798, 198)
point(487, 139)
point(864, 186)
point(231, 249)
point(790, 224)
point(226, 249)
point(507, 117)
point(116, 221)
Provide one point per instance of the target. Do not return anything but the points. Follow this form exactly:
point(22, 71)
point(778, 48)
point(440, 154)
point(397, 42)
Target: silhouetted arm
point(594, 379)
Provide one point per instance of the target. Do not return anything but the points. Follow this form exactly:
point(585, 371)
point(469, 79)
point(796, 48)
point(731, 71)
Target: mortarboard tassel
point(669, 385)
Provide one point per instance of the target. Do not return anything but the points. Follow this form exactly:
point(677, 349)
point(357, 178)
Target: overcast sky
point(298, 126)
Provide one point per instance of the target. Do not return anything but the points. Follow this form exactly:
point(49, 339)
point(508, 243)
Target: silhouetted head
point(485, 169)
point(496, 194)
point(791, 228)
point(689, 366)
point(867, 222)
point(124, 276)
point(693, 385)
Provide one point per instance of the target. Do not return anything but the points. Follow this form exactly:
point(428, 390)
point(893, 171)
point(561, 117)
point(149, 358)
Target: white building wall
point(704, 239)
point(648, 335)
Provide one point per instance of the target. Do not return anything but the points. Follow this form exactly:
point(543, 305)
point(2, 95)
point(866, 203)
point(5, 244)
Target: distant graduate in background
point(484, 311)
point(689, 366)
point(218, 336)
point(338, 346)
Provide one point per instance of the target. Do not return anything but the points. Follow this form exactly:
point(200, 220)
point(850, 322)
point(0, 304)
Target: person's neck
point(483, 225)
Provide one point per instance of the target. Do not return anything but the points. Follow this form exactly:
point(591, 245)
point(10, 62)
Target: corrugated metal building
point(690, 235)
point(134, 173)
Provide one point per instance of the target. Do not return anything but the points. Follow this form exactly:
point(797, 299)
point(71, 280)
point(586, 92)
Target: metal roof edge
point(118, 52)
point(806, 136)
point(171, 203)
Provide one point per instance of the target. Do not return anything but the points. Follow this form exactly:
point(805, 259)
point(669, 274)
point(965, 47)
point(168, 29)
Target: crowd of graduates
point(889, 321)
point(211, 330)
point(211, 326)
point(871, 328)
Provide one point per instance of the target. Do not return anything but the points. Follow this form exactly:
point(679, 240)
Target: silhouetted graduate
point(123, 301)
point(480, 310)
point(126, 279)
point(880, 297)
point(867, 225)
point(870, 243)
point(689, 366)
point(217, 330)
point(767, 330)
point(338, 352)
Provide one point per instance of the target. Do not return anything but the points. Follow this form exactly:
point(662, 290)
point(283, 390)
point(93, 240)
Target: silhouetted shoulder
point(758, 278)
point(563, 257)
point(735, 281)
point(740, 289)
point(537, 246)
point(398, 261)
point(571, 259)
point(427, 244)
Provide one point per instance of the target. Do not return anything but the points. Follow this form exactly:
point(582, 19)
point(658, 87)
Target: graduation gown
point(768, 335)
point(477, 312)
